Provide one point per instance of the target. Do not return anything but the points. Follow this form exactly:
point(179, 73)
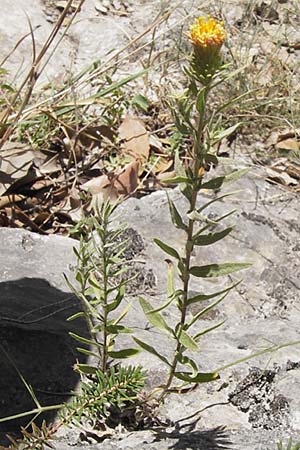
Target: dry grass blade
point(33, 74)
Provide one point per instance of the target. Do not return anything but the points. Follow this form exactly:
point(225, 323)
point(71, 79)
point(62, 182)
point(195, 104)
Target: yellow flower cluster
point(207, 32)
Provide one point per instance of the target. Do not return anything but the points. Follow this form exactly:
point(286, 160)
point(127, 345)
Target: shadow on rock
point(186, 436)
point(34, 340)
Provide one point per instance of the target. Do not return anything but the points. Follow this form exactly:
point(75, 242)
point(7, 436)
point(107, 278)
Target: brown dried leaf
point(135, 136)
point(281, 178)
point(6, 200)
point(288, 145)
point(121, 183)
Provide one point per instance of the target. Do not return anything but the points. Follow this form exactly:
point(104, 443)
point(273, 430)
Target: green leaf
point(141, 101)
point(208, 330)
point(175, 216)
point(170, 287)
point(75, 316)
point(211, 238)
point(187, 341)
point(217, 270)
point(7, 87)
point(203, 297)
point(119, 297)
point(205, 310)
point(116, 329)
point(87, 352)
point(185, 360)
point(123, 313)
point(86, 369)
point(216, 183)
point(176, 180)
point(154, 317)
point(216, 200)
point(167, 249)
point(225, 133)
point(151, 350)
point(201, 101)
point(199, 378)
point(83, 340)
point(125, 353)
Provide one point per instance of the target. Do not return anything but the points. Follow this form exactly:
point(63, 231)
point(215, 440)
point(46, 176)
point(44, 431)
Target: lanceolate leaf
point(167, 249)
point(175, 216)
point(225, 133)
point(119, 297)
point(116, 329)
point(85, 368)
point(151, 350)
point(216, 183)
point(201, 100)
point(211, 238)
point(154, 317)
point(203, 297)
point(216, 200)
point(207, 330)
point(85, 340)
point(217, 270)
point(75, 316)
point(205, 310)
point(123, 354)
point(179, 169)
point(187, 341)
point(176, 180)
point(199, 378)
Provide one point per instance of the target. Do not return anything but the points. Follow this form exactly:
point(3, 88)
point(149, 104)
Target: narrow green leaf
point(187, 341)
point(87, 352)
point(141, 101)
point(85, 340)
point(205, 310)
point(123, 313)
point(176, 180)
point(216, 200)
point(151, 350)
point(201, 100)
point(170, 286)
point(116, 329)
point(125, 353)
point(86, 369)
point(211, 238)
point(216, 183)
point(203, 297)
point(175, 216)
point(167, 249)
point(75, 316)
point(217, 270)
point(154, 317)
point(187, 191)
point(199, 378)
point(119, 297)
point(225, 133)
point(208, 330)
point(179, 169)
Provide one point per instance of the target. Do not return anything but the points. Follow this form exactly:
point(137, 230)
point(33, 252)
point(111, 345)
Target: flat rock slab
point(258, 400)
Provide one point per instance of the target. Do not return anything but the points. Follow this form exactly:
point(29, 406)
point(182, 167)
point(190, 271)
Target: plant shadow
point(35, 341)
point(187, 436)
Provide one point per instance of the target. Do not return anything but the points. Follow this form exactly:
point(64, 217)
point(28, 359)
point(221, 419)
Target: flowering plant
point(205, 71)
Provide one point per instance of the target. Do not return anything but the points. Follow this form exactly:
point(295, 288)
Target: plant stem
point(197, 164)
point(185, 277)
point(105, 298)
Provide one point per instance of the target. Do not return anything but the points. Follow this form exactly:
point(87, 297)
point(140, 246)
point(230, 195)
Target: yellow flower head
point(207, 36)
point(207, 32)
